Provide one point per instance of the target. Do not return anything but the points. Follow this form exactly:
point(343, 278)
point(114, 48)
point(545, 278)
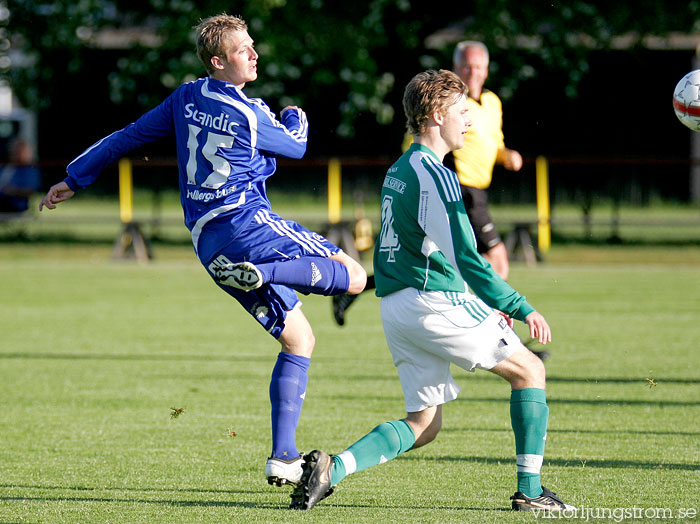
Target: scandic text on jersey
point(220, 123)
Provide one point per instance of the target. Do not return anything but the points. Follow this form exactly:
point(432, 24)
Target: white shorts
point(428, 330)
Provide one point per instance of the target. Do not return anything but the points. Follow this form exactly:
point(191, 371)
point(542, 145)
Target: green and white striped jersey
point(426, 241)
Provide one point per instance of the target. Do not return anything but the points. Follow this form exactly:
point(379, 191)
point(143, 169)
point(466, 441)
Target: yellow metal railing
point(126, 191)
point(334, 191)
point(544, 230)
point(544, 235)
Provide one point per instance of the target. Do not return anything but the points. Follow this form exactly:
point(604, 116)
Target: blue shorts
point(267, 238)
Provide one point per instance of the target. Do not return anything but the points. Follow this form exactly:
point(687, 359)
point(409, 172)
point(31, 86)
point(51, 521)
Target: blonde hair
point(212, 36)
point(428, 92)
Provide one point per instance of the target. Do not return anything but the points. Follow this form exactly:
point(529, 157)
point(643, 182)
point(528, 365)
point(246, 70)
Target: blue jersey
point(226, 149)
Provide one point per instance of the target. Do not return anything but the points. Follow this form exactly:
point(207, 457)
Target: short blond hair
point(428, 92)
point(212, 36)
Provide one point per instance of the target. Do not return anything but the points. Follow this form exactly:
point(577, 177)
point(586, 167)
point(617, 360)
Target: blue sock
point(287, 391)
point(318, 275)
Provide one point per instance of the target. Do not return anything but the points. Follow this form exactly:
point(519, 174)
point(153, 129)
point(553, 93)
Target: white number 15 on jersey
point(221, 168)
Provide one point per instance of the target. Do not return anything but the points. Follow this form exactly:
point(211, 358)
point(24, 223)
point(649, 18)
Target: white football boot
point(281, 471)
point(241, 275)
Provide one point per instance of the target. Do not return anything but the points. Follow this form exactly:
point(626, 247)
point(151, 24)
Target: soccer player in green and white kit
point(441, 303)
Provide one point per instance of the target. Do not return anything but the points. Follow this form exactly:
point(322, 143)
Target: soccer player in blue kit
point(227, 144)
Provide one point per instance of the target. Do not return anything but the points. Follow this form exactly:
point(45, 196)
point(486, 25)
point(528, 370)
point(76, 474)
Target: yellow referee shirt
point(474, 162)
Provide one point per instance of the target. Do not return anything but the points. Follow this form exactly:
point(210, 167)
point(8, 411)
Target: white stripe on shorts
point(263, 217)
point(472, 306)
point(282, 228)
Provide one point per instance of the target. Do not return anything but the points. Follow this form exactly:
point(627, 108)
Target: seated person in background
point(19, 178)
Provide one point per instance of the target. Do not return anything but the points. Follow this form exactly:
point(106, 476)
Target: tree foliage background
point(345, 61)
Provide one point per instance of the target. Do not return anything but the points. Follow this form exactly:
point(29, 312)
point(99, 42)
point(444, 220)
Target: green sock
point(384, 443)
point(528, 416)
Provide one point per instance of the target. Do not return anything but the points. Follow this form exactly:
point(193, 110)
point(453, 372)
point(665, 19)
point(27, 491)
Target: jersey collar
point(423, 149)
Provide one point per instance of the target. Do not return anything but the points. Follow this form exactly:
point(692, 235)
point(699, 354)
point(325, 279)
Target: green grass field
point(95, 354)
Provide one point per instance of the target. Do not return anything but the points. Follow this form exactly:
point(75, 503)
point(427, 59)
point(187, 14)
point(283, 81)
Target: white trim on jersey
point(93, 146)
point(213, 213)
point(432, 213)
point(448, 179)
point(299, 135)
point(302, 133)
point(283, 229)
point(247, 112)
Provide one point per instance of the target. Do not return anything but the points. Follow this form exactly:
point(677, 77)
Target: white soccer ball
point(686, 100)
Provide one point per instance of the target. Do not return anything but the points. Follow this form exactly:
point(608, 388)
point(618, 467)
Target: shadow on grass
point(644, 432)
point(115, 499)
point(597, 402)
point(623, 380)
point(186, 503)
point(582, 463)
point(391, 376)
point(144, 490)
point(128, 356)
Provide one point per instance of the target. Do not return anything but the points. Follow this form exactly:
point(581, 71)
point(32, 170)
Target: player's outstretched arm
point(58, 193)
point(539, 328)
point(510, 158)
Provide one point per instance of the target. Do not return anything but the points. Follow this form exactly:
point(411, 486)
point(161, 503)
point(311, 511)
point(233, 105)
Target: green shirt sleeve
point(448, 226)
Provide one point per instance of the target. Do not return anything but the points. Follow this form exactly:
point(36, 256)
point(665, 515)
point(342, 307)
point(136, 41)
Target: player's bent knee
point(533, 374)
point(358, 281)
point(357, 274)
point(297, 336)
point(427, 435)
point(425, 424)
point(522, 370)
point(295, 344)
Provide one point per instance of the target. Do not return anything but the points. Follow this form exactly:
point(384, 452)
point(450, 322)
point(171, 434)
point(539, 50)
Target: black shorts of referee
point(476, 203)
